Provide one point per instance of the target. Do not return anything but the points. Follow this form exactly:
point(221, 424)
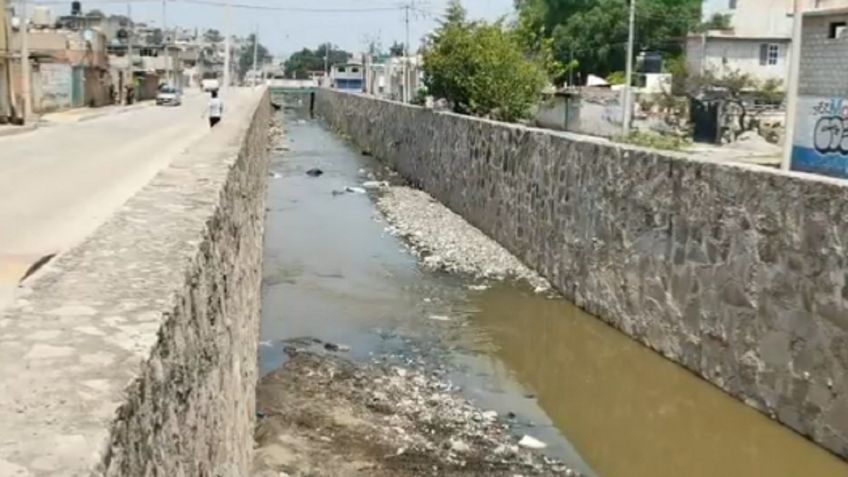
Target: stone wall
point(738, 273)
point(135, 353)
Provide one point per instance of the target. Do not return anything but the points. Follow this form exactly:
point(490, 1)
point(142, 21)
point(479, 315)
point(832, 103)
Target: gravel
point(323, 415)
point(443, 240)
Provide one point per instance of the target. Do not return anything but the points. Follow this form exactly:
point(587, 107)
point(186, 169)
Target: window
point(836, 30)
point(731, 4)
point(769, 54)
point(341, 69)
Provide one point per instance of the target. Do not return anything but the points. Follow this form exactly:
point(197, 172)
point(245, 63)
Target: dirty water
point(604, 404)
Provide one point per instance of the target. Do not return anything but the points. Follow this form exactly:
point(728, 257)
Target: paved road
point(58, 183)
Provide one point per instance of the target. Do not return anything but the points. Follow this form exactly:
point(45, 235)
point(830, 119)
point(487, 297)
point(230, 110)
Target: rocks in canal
point(336, 348)
point(328, 416)
point(443, 240)
point(314, 172)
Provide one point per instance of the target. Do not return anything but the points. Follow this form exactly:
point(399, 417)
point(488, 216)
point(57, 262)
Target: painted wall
point(52, 87)
point(736, 272)
point(820, 144)
point(821, 136)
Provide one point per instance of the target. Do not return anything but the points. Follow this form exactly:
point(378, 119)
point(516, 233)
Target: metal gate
point(78, 87)
point(704, 117)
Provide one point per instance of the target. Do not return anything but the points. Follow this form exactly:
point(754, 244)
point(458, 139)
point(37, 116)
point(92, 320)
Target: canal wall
point(736, 272)
point(134, 354)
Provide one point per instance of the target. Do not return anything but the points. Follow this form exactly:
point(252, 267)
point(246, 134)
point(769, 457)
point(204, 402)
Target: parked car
point(169, 96)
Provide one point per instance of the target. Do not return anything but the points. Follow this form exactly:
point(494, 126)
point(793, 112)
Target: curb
point(15, 130)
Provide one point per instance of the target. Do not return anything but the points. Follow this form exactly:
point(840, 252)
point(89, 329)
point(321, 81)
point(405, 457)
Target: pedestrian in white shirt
point(216, 109)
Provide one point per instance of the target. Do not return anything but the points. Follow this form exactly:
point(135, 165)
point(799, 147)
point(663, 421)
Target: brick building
point(820, 142)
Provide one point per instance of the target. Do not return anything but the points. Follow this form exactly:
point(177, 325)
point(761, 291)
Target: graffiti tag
point(831, 135)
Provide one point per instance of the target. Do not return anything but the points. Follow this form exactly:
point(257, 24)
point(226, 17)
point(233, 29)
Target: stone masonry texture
point(134, 354)
point(736, 272)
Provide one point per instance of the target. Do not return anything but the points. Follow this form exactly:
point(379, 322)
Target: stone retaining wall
point(135, 353)
point(738, 273)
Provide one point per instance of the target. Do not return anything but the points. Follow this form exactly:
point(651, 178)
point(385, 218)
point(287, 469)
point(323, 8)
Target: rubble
point(326, 416)
point(443, 240)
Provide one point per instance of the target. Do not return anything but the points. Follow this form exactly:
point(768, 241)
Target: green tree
point(594, 32)
point(455, 14)
point(481, 69)
point(245, 58)
point(397, 49)
point(300, 64)
point(213, 36)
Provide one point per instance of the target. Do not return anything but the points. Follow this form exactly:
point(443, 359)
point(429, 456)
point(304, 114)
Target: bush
point(481, 70)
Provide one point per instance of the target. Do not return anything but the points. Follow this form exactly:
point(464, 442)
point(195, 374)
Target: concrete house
point(757, 42)
point(820, 142)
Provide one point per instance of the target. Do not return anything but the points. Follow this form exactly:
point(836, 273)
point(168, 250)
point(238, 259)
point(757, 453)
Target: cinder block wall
point(737, 273)
point(135, 354)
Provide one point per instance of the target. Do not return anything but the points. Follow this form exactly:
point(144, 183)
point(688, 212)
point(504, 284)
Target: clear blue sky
point(285, 32)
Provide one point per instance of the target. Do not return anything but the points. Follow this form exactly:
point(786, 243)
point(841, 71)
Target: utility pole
point(406, 82)
point(226, 84)
point(792, 85)
point(129, 75)
point(627, 108)
point(25, 66)
point(167, 42)
point(255, 53)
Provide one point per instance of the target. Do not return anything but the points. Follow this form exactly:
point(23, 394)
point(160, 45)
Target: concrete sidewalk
point(77, 115)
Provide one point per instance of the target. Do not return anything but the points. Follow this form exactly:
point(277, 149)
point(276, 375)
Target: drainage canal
point(604, 404)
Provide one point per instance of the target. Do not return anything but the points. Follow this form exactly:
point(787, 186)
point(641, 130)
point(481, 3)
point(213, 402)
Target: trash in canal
point(375, 184)
point(529, 442)
point(355, 190)
point(314, 172)
point(439, 318)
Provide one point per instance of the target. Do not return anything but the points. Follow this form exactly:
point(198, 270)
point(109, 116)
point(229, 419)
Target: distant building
point(820, 143)
point(347, 77)
point(757, 42)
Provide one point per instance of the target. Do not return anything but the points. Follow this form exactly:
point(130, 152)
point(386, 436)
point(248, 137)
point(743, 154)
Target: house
point(820, 141)
point(756, 43)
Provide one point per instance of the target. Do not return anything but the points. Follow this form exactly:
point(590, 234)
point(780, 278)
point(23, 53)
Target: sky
point(284, 32)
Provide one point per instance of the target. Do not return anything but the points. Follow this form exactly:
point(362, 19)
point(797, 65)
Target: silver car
point(169, 96)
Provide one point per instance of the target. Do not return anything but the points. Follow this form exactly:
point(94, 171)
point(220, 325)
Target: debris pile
point(443, 240)
point(323, 415)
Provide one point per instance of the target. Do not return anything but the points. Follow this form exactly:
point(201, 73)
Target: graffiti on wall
point(56, 87)
point(820, 144)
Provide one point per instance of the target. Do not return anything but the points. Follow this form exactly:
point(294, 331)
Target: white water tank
point(42, 17)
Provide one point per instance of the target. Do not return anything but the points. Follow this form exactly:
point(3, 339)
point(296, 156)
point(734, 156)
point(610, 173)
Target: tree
point(301, 63)
point(245, 59)
point(480, 68)
point(717, 22)
point(455, 14)
point(397, 49)
point(212, 36)
point(594, 32)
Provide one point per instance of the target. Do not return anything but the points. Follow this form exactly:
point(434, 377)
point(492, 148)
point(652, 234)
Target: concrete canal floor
point(602, 403)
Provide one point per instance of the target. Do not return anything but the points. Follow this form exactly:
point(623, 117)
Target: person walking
point(216, 109)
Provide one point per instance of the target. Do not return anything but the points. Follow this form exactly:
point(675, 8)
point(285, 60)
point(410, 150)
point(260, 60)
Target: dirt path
point(325, 416)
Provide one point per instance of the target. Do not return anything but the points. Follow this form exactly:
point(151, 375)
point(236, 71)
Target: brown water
point(602, 402)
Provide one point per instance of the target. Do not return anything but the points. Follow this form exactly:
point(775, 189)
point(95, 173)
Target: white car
point(169, 96)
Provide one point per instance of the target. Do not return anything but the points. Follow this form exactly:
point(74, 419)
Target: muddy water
point(604, 404)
